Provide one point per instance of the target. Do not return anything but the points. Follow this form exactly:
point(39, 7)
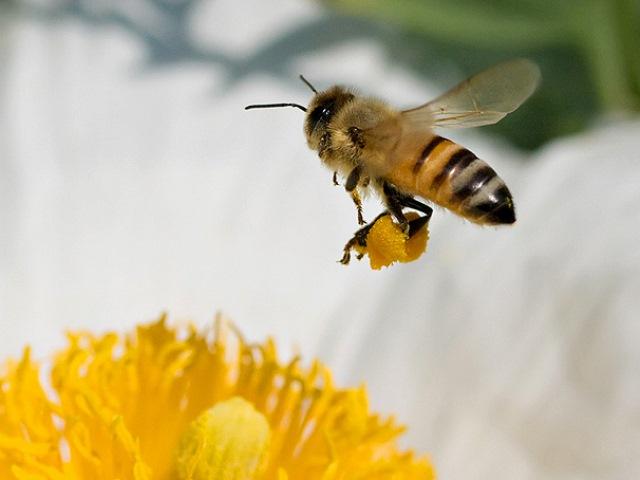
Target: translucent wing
point(483, 99)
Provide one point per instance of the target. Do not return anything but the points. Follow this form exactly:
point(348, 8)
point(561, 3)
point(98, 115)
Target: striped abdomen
point(455, 178)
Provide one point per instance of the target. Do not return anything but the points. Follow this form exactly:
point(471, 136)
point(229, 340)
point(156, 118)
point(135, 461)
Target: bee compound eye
point(321, 115)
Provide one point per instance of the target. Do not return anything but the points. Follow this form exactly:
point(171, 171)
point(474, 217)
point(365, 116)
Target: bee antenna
point(275, 105)
point(308, 83)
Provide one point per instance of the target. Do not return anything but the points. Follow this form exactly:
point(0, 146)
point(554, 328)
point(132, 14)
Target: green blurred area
point(588, 50)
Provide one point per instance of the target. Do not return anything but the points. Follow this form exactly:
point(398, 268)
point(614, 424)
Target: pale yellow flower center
point(230, 441)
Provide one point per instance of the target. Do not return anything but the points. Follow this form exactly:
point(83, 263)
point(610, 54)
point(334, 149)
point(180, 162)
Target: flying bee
point(397, 153)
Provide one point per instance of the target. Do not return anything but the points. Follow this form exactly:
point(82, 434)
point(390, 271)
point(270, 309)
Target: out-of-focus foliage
point(589, 51)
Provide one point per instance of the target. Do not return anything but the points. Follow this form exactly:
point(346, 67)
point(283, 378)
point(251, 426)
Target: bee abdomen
point(496, 209)
point(476, 190)
point(465, 184)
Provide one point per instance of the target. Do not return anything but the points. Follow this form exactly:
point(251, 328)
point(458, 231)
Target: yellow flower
point(165, 403)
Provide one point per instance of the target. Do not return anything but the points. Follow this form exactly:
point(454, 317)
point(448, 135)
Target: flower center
point(230, 441)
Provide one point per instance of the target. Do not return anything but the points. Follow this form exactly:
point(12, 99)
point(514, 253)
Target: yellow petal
point(230, 441)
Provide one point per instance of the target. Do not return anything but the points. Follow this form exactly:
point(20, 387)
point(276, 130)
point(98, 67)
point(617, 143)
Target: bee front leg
point(350, 186)
point(335, 179)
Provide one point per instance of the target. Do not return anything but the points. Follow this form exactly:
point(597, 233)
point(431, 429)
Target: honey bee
point(397, 153)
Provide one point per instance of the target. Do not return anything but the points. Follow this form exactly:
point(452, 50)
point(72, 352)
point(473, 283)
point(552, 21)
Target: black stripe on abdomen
point(475, 182)
point(456, 164)
point(426, 151)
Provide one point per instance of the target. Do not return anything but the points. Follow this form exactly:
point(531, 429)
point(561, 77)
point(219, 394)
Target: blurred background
point(133, 182)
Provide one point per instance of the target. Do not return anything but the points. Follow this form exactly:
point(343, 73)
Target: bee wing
point(483, 99)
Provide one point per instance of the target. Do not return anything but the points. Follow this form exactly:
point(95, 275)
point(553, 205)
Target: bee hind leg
point(396, 201)
point(392, 198)
point(416, 224)
point(359, 239)
point(410, 202)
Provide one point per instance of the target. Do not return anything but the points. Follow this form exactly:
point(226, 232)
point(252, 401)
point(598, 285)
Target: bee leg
point(353, 179)
point(410, 202)
point(396, 201)
point(392, 199)
point(357, 239)
point(360, 239)
point(350, 186)
point(346, 256)
point(417, 224)
point(335, 179)
point(356, 199)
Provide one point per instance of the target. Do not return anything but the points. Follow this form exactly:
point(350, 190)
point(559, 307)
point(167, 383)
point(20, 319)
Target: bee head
point(321, 109)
